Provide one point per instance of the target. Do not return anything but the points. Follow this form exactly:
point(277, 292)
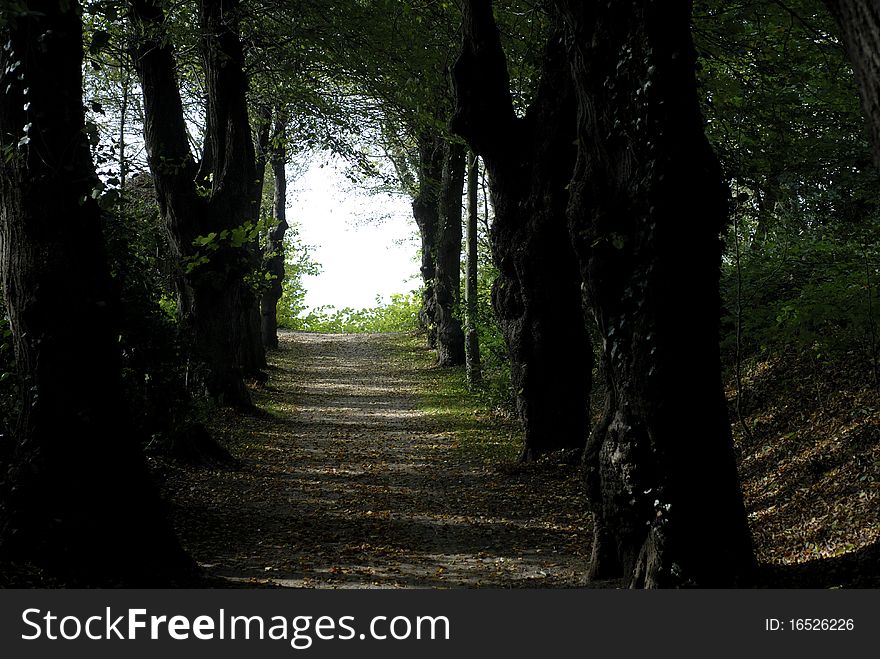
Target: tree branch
point(484, 112)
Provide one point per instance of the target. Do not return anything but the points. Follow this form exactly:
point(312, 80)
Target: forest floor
point(809, 462)
point(367, 467)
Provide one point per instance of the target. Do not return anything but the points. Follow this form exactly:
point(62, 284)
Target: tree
point(251, 349)
point(447, 275)
point(275, 248)
point(76, 497)
point(537, 296)
point(472, 341)
point(426, 212)
point(437, 212)
point(210, 207)
point(391, 59)
point(440, 161)
point(646, 209)
point(859, 22)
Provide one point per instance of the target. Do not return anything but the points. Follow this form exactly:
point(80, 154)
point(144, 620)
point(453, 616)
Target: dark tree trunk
point(76, 496)
point(537, 296)
point(647, 207)
point(472, 341)
point(216, 200)
point(235, 182)
point(426, 211)
point(859, 22)
point(252, 351)
point(262, 136)
point(275, 254)
point(447, 277)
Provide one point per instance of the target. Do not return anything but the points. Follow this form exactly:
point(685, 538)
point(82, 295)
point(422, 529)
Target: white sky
point(365, 243)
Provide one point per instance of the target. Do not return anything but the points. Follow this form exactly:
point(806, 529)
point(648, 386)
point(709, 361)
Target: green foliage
point(298, 263)
point(494, 356)
point(153, 355)
point(801, 271)
point(524, 28)
point(211, 243)
point(399, 314)
point(817, 294)
point(780, 100)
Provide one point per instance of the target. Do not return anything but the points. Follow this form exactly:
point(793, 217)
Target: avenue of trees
point(645, 163)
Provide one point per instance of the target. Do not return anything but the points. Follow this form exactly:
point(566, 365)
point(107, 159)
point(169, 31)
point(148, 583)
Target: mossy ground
point(483, 429)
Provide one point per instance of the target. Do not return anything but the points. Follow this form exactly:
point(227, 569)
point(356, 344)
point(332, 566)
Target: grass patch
point(481, 429)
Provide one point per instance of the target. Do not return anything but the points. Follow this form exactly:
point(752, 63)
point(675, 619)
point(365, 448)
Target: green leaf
point(201, 241)
point(100, 40)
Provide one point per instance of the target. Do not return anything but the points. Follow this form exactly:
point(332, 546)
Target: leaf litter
point(344, 482)
point(348, 478)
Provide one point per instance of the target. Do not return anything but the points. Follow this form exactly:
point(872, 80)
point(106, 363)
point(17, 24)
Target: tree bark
point(859, 22)
point(426, 211)
point(275, 249)
point(252, 350)
point(447, 276)
point(472, 341)
point(646, 210)
point(216, 199)
point(76, 496)
point(537, 295)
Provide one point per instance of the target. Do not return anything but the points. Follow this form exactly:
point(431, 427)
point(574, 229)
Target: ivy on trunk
point(646, 210)
point(274, 265)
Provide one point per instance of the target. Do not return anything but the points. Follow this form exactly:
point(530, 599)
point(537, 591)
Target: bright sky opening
point(365, 243)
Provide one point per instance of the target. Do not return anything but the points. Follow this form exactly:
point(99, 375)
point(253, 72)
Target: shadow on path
point(345, 483)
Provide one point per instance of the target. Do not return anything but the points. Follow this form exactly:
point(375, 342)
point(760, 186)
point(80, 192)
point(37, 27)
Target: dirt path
point(344, 483)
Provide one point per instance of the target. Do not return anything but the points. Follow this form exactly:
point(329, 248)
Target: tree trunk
point(76, 496)
point(426, 211)
point(537, 295)
point(447, 277)
point(859, 22)
point(472, 341)
point(252, 351)
point(235, 182)
point(647, 207)
point(207, 209)
point(275, 261)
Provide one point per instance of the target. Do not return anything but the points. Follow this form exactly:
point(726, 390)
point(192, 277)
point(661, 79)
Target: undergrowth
point(399, 314)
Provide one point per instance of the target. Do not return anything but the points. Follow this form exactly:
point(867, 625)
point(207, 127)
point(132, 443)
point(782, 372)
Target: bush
point(400, 314)
point(298, 263)
point(153, 355)
point(816, 294)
